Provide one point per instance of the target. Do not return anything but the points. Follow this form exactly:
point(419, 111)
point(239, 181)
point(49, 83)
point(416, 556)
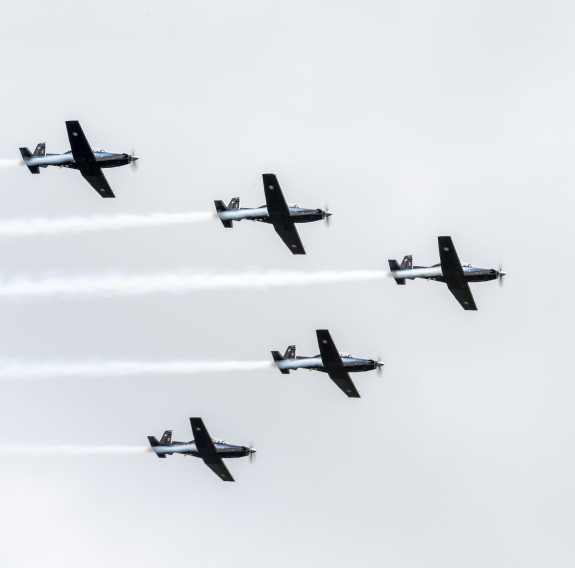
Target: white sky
point(410, 120)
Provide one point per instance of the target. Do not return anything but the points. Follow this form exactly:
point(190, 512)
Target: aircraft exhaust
point(181, 282)
point(17, 370)
point(68, 225)
point(6, 164)
point(71, 450)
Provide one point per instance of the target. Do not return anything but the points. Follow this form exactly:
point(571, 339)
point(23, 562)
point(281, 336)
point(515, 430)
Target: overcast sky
point(410, 120)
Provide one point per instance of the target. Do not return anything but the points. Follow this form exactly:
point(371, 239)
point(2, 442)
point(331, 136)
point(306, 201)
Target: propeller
point(252, 453)
point(379, 366)
point(327, 215)
point(501, 275)
point(134, 160)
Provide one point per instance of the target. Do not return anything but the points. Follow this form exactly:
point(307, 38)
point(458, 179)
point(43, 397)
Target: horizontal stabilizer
point(220, 208)
point(154, 442)
point(393, 266)
point(26, 155)
point(277, 357)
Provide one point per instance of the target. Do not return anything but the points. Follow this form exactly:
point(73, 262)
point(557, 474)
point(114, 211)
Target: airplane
point(202, 446)
point(276, 212)
point(449, 270)
point(337, 365)
point(80, 157)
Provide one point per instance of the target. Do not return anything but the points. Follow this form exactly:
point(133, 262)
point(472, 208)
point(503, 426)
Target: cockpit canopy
point(345, 354)
point(218, 441)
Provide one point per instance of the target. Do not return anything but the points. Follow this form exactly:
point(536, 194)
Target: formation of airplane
point(450, 270)
point(202, 446)
point(337, 365)
point(81, 157)
point(283, 217)
point(276, 212)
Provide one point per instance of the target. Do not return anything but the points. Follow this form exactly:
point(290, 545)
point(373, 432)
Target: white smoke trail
point(10, 370)
point(110, 285)
point(71, 450)
point(67, 225)
point(5, 164)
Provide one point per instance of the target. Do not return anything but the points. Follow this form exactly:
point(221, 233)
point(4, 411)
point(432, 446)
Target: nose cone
point(252, 450)
point(134, 158)
point(501, 273)
point(379, 363)
point(328, 214)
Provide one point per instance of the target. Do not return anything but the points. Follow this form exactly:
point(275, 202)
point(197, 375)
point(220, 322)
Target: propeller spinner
point(133, 160)
point(501, 275)
point(327, 215)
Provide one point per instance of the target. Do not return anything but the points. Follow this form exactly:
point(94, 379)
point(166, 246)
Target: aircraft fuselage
point(297, 214)
point(351, 364)
point(189, 449)
point(470, 273)
point(66, 160)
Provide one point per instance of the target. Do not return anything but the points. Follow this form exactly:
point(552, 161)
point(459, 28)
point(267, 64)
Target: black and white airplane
point(276, 212)
point(337, 365)
point(450, 270)
point(80, 157)
point(202, 446)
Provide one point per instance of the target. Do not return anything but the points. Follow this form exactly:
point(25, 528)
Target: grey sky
point(410, 119)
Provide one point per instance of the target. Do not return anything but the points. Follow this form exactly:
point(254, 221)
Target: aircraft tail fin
point(40, 149)
point(277, 357)
point(290, 352)
point(394, 266)
point(26, 155)
point(407, 262)
point(220, 208)
point(154, 442)
point(234, 203)
point(166, 438)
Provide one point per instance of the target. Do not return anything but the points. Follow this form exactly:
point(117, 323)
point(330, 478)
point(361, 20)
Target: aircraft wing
point(220, 469)
point(99, 183)
point(279, 214)
point(208, 451)
point(344, 382)
point(453, 274)
point(85, 159)
point(334, 365)
point(289, 235)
